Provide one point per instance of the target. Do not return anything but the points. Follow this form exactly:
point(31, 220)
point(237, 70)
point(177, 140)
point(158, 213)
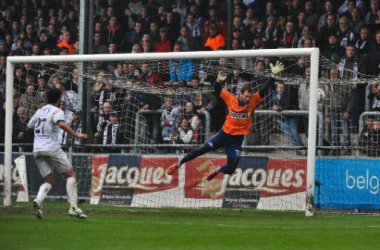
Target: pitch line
point(248, 226)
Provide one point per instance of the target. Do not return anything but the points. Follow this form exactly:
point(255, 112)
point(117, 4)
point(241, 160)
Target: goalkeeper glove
point(276, 69)
point(222, 76)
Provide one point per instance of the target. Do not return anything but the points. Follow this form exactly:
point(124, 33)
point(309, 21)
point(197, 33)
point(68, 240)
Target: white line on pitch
point(249, 226)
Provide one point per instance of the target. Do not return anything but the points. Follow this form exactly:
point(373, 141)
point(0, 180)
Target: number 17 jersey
point(46, 130)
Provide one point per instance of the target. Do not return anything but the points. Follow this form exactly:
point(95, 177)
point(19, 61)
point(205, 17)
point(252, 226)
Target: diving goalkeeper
point(238, 123)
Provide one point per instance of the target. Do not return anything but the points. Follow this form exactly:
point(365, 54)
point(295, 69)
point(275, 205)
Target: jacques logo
point(275, 181)
point(147, 178)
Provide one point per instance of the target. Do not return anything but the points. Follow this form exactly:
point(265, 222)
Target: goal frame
point(313, 53)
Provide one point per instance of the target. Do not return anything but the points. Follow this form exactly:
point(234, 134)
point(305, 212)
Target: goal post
point(312, 53)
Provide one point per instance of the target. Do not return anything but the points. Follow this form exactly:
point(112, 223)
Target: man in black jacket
point(288, 124)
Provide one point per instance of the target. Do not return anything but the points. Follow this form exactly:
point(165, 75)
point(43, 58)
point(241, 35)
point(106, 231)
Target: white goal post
point(313, 53)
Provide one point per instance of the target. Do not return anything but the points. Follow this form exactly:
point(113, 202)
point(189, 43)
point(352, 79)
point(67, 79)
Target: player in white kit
point(48, 154)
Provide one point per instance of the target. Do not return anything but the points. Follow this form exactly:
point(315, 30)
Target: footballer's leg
point(72, 193)
point(44, 166)
point(64, 166)
point(233, 156)
point(212, 144)
point(227, 169)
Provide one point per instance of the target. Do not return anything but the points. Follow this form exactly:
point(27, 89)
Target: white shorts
point(48, 161)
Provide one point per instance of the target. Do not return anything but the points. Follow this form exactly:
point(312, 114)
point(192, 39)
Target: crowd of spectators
point(346, 31)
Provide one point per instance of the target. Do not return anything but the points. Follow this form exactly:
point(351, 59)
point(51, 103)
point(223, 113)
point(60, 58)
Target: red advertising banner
point(153, 177)
point(284, 176)
point(99, 165)
point(196, 185)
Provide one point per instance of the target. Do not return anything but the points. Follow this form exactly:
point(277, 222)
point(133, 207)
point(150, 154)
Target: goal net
point(145, 111)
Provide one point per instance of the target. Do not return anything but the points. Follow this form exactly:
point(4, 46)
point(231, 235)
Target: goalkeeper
point(238, 123)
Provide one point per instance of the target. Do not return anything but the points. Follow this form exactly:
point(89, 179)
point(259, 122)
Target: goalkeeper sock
point(43, 191)
point(72, 193)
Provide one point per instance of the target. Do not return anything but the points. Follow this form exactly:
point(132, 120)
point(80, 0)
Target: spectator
point(112, 134)
point(344, 34)
point(271, 33)
point(328, 11)
point(306, 34)
point(132, 37)
point(289, 38)
point(249, 16)
point(42, 88)
point(29, 101)
point(73, 82)
point(374, 56)
point(193, 119)
point(136, 48)
point(257, 42)
point(108, 94)
point(371, 16)
point(346, 8)
point(146, 43)
point(154, 32)
point(195, 27)
point(98, 46)
point(144, 18)
point(374, 97)
point(187, 42)
point(20, 132)
point(68, 96)
point(356, 22)
point(236, 81)
point(362, 45)
point(214, 18)
point(355, 67)
point(311, 17)
point(203, 101)
point(66, 43)
point(301, 17)
point(288, 124)
point(180, 70)
point(169, 121)
point(304, 96)
point(173, 27)
point(68, 114)
point(114, 31)
point(373, 143)
point(184, 133)
point(328, 29)
point(98, 86)
point(333, 51)
point(76, 125)
point(338, 109)
point(45, 41)
point(150, 77)
point(132, 72)
point(163, 44)
point(366, 135)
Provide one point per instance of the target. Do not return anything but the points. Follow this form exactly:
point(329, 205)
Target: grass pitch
point(143, 228)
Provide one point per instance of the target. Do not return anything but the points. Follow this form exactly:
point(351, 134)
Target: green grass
point(143, 228)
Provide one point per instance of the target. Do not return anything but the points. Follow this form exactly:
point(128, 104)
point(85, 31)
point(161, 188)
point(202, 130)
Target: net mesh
point(142, 110)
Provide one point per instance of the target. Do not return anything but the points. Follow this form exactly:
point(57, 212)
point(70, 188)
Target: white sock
point(43, 191)
point(71, 188)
